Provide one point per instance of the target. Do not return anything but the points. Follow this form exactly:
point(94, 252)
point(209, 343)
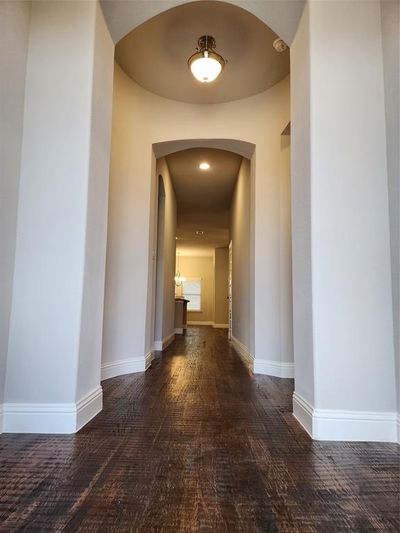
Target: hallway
point(196, 444)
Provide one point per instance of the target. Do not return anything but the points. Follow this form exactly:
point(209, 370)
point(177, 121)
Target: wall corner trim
point(398, 428)
point(303, 412)
point(274, 368)
point(159, 346)
point(88, 407)
point(148, 358)
point(243, 352)
point(341, 425)
point(63, 418)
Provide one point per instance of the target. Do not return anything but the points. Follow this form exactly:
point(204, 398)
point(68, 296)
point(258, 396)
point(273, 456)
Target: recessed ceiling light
point(199, 232)
point(206, 64)
point(204, 166)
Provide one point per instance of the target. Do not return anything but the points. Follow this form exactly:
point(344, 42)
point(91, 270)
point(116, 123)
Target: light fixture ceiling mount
point(279, 45)
point(206, 64)
point(204, 166)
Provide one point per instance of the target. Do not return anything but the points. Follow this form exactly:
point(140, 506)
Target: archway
point(238, 126)
point(161, 150)
point(268, 331)
point(337, 169)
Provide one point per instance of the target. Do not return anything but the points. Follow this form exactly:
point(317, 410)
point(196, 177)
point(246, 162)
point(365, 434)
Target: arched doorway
point(241, 230)
point(331, 163)
point(251, 127)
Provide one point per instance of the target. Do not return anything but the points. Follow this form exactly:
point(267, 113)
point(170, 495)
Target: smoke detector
point(279, 45)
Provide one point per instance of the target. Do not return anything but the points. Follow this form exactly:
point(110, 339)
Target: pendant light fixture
point(179, 280)
point(206, 64)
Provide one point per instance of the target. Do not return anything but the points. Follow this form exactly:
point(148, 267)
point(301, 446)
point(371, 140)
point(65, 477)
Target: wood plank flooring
point(196, 444)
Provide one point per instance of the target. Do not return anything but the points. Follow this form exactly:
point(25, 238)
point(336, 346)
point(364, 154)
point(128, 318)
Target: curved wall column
point(53, 366)
point(343, 327)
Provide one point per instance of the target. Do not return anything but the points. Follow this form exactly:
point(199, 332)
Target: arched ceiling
point(122, 16)
point(243, 148)
point(155, 54)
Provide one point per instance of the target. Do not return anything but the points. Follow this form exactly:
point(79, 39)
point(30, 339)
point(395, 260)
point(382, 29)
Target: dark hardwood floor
point(196, 444)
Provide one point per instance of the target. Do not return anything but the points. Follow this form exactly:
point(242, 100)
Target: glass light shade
point(179, 280)
point(206, 66)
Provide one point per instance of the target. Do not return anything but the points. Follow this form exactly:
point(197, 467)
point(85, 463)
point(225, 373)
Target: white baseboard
point(148, 359)
point(245, 355)
point(303, 413)
point(54, 417)
point(168, 340)
point(207, 323)
point(200, 323)
point(123, 366)
point(273, 368)
point(159, 346)
point(179, 331)
point(88, 407)
point(340, 425)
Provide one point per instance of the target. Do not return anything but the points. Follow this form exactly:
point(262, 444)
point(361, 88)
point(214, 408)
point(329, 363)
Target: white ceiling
point(206, 190)
point(203, 196)
point(155, 54)
point(215, 227)
point(122, 16)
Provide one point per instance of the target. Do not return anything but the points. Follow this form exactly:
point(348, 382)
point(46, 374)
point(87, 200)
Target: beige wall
point(240, 236)
point(142, 119)
point(201, 267)
point(285, 251)
point(221, 304)
point(166, 245)
point(90, 348)
point(56, 317)
point(301, 210)
point(14, 31)
point(342, 292)
point(391, 60)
